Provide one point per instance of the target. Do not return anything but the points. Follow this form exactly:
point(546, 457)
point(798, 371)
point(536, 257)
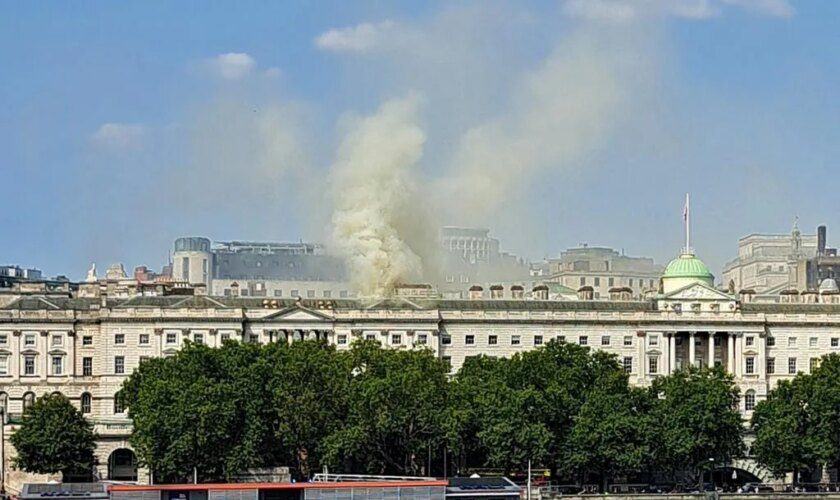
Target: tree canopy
point(366, 409)
point(54, 437)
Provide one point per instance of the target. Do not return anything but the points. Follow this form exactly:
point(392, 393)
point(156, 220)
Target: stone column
point(672, 352)
point(71, 354)
point(711, 349)
point(730, 353)
point(761, 360)
point(43, 351)
point(159, 342)
point(739, 354)
point(691, 350)
point(16, 359)
point(643, 368)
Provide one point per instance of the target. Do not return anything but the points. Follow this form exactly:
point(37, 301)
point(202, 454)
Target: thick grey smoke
point(556, 114)
point(373, 188)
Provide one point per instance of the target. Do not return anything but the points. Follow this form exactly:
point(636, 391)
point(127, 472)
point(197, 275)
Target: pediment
point(698, 291)
point(297, 313)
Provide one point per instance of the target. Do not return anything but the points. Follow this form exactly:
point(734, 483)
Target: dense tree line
point(381, 411)
point(797, 428)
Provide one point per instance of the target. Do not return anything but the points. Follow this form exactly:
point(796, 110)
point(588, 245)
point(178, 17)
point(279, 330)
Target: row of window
point(396, 338)
point(30, 365)
point(85, 403)
point(611, 282)
point(310, 294)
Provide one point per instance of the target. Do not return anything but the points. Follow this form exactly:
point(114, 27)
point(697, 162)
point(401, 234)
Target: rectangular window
point(185, 269)
point(597, 281)
point(295, 293)
point(143, 359)
point(310, 294)
point(653, 340)
point(771, 366)
point(771, 341)
point(792, 366)
point(29, 365)
point(87, 367)
point(812, 342)
point(605, 340)
point(343, 294)
point(814, 363)
point(87, 340)
point(85, 403)
point(144, 339)
point(119, 365)
point(370, 336)
point(515, 340)
point(396, 339)
point(171, 338)
point(750, 365)
point(749, 341)
point(561, 338)
point(582, 280)
point(447, 360)
point(57, 365)
point(198, 338)
point(469, 340)
point(583, 340)
point(118, 407)
point(493, 340)
point(422, 338)
point(835, 342)
point(611, 282)
point(538, 339)
point(119, 339)
point(791, 341)
point(278, 293)
point(445, 339)
point(342, 339)
point(29, 340)
point(57, 340)
point(224, 337)
point(327, 294)
point(4, 339)
point(653, 365)
point(4, 365)
point(631, 282)
point(628, 364)
point(628, 340)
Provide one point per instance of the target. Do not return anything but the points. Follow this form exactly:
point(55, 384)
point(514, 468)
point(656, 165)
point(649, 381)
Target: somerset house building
point(84, 343)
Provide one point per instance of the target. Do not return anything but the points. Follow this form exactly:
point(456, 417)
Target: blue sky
point(125, 125)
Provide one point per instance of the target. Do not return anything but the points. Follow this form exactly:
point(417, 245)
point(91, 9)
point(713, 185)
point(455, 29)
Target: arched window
point(86, 403)
point(4, 406)
point(118, 407)
point(28, 400)
point(749, 400)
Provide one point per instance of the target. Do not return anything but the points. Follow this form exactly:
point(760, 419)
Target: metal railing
point(347, 478)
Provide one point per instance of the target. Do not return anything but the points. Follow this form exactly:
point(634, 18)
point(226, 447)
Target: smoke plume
point(373, 190)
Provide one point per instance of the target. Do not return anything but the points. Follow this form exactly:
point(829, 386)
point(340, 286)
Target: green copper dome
point(688, 266)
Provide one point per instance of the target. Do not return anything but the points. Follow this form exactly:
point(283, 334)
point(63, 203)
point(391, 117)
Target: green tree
point(309, 389)
point(784, 438)
point(189, 416)
point(54, 437)
point(564, 375)
point(396, 409)
point(699, 422)
point(614, 434)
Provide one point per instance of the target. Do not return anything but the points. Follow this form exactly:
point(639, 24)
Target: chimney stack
point(821, 230)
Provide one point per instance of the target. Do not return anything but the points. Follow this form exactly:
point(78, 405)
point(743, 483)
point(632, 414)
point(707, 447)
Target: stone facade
point(85, 347)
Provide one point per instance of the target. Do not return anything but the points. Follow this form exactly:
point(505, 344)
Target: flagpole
point(687, 224)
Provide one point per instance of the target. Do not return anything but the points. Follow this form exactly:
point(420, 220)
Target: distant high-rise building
point(767, 263)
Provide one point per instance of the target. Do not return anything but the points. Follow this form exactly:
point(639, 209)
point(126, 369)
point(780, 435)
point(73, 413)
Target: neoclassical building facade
point(86, 343)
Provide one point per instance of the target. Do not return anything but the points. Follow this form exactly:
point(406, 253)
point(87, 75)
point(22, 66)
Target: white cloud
point(233, 65)
point(775, 8)
point(358, 39)
point(118, 136)
point(628, 10)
